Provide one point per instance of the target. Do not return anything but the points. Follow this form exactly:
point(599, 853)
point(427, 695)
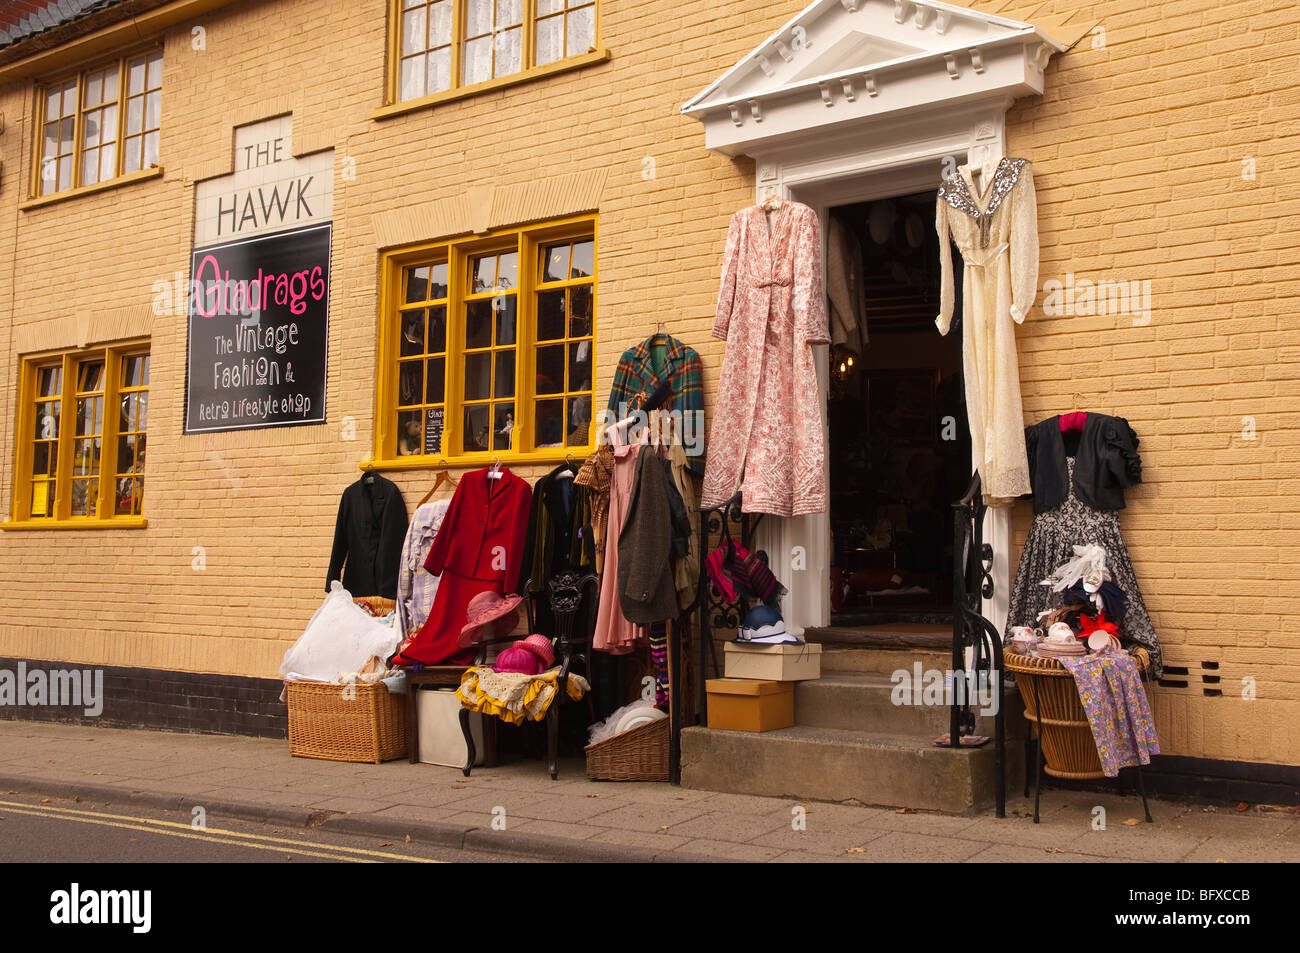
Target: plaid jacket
point(635, 380)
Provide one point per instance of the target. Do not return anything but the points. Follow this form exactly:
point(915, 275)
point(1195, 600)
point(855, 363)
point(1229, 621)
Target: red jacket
point(483, 532)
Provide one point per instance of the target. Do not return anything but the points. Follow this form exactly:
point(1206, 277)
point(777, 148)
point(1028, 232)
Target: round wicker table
point(1052, 704)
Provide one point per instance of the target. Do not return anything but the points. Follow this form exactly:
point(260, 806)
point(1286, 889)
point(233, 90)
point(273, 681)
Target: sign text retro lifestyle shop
point(259, 289)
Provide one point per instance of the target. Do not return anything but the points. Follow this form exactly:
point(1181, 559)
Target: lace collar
point(956, 191)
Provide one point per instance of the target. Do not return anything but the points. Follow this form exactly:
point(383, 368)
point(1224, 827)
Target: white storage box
point(773, 663)
point(441, 741)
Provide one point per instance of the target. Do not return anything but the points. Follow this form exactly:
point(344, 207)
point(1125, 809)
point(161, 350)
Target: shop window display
point(491, 347)
point(92, 469)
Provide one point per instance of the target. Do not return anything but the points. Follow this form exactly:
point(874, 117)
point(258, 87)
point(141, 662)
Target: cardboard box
point(773, 663)
point(441, 741)
point(740, 704)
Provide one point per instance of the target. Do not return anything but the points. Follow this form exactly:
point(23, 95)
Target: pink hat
point(541, 647)
point(489, 608)
point(519, 661)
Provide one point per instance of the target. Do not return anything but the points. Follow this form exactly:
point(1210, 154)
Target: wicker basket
point(345, 723)
point(1048, 690)
point(380, 604)
point(637, 755)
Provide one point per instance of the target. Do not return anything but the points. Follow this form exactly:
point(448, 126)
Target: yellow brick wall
point(1137, 150)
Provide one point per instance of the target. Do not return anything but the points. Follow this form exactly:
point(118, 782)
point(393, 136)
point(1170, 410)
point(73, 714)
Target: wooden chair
point(570, 596)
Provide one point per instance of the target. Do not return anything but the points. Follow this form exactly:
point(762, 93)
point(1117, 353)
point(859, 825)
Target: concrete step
point(880, 661)
point(829, 764)
point(856, 701)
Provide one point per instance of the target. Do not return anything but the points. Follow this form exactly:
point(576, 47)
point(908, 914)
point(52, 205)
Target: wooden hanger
point(443, 479)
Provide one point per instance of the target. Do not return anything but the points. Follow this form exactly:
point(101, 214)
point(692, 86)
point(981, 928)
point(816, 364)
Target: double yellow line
point(214, 835)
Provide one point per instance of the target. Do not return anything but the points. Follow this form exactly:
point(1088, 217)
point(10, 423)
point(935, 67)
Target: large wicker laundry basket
point(346, 722)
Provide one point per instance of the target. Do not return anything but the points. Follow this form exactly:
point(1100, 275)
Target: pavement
point(516, 810)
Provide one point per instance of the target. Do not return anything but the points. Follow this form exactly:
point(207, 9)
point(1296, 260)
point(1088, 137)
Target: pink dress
point(766, 436)
point(614, 634)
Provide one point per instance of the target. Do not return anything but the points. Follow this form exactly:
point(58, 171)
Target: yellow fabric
point(512, 697)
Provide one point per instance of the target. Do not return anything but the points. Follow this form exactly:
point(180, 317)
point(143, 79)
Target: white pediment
point(842, 60)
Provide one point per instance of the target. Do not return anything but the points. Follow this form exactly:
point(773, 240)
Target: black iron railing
point(972, 582)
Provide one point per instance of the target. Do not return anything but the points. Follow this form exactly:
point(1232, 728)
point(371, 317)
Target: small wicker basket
point(345, 722)
point(381, 605)
point(640, 754)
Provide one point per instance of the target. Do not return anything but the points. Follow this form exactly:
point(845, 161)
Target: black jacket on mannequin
point(368, 538)
point(1106, 462)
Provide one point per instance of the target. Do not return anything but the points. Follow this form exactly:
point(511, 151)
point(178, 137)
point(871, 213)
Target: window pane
point(504, 309)
point(584, 259)
point(65, 173)
point(413, 31)
point(417, 283)
point(435, 381)
point(410, 383)
point(437, 330)
point(108, 162)
point(580, 311)
point(135, 371)
point(548, 423)
point(478, 17)
point(439, 66)
point(80, 498)
point(478, 60)
point(550, 40)
point(126, 452)
point(135, 78)
point(509, 52)
point(131, 158)
point(503, 426)
point(579, 421)
point(92, 124)
point(153, 111)
point(438, 287)
point(549, 6)
point(90, 167)
point(140, 447)
point(580, 366)
point(151, 150)
point(135, 116)
point(51, 379)
point(555, 262)
point(478, 323)
point(411, 80)
point(142, 411)
point(128, 412)
point(476, 428)
point(412, 341)
point(410, 432)
point(508, 271)
point(52, 100)
point(478, 370)
point(483, 273)
point(94, 90)
point(550, 315)
point(440, 23)
point(509, 12)
point(581, 31)
point(41, 457)
point(155, 71)
point(550, 369)
point(47, 420)
point(503, 384)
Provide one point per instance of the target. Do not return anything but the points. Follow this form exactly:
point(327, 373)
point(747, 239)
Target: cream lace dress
point(992, 215)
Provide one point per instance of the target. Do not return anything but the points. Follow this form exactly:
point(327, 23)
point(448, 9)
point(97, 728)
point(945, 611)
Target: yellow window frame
point(122, 62)
point(457, 90)
point(61, 494)
point(457, 253)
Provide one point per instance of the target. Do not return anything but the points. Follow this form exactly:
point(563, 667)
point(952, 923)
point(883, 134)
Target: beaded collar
point(957, 193)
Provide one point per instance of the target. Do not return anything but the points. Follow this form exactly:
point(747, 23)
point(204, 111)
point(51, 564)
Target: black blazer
point(1105, 464)
point(368, 537)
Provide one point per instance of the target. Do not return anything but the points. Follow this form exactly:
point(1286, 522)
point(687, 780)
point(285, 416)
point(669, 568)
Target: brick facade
point(1139, 150)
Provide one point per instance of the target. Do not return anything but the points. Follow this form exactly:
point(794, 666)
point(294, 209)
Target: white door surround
point(854, 100)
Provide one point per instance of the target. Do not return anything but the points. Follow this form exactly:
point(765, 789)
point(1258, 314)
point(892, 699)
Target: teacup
point(1101, 642)
point(1024, 638)
point(1060, 633)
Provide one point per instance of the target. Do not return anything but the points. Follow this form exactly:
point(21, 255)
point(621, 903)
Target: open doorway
point(899, 446)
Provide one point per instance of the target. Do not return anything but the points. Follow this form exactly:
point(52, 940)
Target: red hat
point(489, 608)
point(540, 646)
point(518, 661)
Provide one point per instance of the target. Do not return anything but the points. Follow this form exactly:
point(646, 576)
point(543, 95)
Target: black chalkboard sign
point(433, 431)
point(258, 330)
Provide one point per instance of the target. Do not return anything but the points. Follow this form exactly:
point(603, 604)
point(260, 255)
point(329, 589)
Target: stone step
point(829, 764)
point(848, 658)
point(865, 702)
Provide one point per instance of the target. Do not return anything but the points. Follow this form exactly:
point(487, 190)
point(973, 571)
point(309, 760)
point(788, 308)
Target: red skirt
point(435, 643)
